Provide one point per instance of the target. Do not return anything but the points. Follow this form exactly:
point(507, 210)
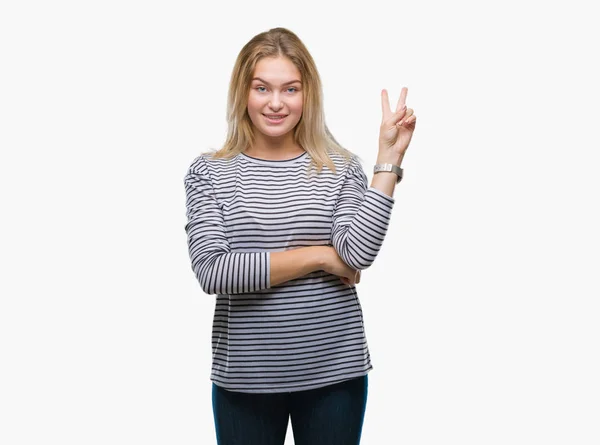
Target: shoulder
point(352, 166)
point(344, 164)
point(206, 164)
point(198, 164)
point(198, 171)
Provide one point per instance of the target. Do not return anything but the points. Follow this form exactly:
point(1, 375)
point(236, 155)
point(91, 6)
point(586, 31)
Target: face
point(276, 92)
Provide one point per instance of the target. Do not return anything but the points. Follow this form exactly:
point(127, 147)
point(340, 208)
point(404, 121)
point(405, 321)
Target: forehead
point(276, 70)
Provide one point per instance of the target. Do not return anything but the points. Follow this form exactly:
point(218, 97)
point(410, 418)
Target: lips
point(275, 118)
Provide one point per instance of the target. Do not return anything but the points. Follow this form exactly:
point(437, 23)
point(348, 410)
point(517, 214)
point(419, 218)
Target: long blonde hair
point(311, 132)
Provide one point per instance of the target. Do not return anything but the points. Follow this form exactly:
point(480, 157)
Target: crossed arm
point(359, 223)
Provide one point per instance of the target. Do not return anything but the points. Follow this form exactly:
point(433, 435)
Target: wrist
point(383, 158)
point(322, 256)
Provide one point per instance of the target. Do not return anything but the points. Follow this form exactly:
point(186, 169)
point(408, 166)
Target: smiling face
point(276, 91)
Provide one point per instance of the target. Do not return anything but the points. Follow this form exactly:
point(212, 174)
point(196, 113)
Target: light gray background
point(481, 310)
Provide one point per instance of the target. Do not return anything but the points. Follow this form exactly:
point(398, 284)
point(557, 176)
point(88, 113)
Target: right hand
point(396, 129)
point(333, 264)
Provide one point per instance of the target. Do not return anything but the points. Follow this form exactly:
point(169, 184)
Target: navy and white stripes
point(218, 269)
point(304, 333)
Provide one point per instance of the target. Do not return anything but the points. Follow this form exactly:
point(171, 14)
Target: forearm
point(385, 182)
point(289, 264)
point(230, 272)
point(237, 273)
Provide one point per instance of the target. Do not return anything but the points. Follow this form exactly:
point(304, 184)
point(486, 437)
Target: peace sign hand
point(396, 129)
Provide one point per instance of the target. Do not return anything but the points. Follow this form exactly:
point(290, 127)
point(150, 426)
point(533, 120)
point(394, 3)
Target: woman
point(282, 249)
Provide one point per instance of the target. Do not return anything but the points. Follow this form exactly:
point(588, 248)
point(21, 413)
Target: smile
point(274, 119)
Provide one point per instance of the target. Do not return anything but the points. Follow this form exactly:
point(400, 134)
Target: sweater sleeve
point(360, 219)
point(218, 270)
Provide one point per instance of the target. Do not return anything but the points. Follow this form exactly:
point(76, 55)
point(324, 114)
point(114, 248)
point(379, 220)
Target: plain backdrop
point(482, 308)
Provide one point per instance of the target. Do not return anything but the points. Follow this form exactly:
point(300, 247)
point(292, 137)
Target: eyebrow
point(286, 83)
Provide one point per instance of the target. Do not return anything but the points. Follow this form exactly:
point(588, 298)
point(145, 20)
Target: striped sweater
point(307, 332)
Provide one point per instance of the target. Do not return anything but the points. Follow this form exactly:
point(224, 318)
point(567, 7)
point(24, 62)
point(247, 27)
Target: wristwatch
point(389, 168)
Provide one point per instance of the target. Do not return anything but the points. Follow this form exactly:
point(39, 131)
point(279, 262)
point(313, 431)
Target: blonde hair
point(311, 132)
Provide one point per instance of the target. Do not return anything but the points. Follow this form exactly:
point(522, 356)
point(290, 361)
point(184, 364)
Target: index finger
point(385, 104)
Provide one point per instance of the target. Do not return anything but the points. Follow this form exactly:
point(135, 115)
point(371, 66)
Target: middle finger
point(402, 99)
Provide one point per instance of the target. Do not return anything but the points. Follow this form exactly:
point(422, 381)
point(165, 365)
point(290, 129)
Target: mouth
point(275, 118)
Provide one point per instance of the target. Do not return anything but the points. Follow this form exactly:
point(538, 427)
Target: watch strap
point(389, 168)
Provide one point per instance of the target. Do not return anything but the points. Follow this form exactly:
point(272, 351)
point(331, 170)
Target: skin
point(275, 95)
point(279, 91)
point(396, 129)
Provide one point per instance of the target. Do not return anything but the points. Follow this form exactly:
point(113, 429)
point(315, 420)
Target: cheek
point(251, 104)
point(297, 106)
point(255, 103)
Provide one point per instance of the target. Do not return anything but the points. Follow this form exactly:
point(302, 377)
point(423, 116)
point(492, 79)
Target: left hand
point(396, 128)
point(348, 282)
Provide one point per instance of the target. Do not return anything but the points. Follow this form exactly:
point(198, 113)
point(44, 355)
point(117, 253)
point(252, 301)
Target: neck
point(282, 147)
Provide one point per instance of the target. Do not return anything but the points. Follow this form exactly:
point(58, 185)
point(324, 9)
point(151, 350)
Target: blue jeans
point(331, 415)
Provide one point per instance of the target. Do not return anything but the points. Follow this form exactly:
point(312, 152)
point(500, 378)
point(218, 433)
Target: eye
point(292, 88)
point(258, 88)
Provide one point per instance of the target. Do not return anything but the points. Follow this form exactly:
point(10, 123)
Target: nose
point(275, 103)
